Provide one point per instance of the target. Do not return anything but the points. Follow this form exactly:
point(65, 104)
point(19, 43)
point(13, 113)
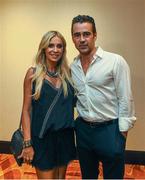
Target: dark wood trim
point(131, 157)
point(135, 157)
point(5, 147)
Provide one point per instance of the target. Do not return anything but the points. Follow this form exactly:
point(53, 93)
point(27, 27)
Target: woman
point(47, 114)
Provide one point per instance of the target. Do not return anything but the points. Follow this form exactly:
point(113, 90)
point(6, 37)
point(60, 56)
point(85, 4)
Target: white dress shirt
point(104, 92)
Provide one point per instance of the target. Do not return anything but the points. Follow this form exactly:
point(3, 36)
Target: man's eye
point(86, 34)
point(76, 35)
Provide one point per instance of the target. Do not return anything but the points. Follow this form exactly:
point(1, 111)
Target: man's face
point(83, 37)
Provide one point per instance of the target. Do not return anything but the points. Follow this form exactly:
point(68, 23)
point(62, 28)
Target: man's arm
point(124, 95)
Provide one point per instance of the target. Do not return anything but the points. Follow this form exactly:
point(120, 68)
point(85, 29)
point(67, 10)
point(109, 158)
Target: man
point(104, 105)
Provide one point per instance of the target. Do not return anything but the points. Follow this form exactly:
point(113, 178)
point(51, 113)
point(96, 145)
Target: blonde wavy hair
point(41, 65)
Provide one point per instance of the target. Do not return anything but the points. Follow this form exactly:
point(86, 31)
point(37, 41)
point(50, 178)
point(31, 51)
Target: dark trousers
point(100, 143)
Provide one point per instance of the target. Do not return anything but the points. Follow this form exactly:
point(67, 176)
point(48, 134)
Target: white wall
point(120, 27)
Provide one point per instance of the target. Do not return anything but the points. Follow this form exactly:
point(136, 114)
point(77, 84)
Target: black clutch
point(17, 145)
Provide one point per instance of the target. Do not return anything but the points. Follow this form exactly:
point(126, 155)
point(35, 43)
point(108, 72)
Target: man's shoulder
point(113, 56)
point(116, 59)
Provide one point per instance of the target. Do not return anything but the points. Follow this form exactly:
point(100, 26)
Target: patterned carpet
point(10, 170)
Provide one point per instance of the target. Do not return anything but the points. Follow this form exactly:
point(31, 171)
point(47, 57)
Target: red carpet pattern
point(10, 170)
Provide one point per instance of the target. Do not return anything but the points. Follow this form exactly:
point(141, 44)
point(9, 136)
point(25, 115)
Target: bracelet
point(27, 144)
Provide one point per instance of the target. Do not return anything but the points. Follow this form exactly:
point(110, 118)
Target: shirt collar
point(98, 54)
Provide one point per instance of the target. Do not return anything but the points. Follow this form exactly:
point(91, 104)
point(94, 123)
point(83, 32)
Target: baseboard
point(5, 147)
point(131, 156)
point(135, 157)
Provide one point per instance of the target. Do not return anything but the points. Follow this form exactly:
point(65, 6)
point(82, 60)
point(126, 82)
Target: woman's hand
point(27, 155)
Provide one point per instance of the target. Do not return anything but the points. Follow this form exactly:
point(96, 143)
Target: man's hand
point(124, 133)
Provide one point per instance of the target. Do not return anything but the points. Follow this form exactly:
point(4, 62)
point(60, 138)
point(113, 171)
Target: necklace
point(52, 74)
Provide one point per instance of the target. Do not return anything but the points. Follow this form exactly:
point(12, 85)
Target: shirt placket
point(87, 91)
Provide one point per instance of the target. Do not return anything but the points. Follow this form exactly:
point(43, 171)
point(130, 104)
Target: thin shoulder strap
point(49, 112)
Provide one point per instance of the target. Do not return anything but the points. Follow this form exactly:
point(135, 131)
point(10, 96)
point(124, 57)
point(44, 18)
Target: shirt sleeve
point(124, 94)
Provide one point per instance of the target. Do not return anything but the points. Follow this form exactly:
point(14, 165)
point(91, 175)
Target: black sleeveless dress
point(52, 127)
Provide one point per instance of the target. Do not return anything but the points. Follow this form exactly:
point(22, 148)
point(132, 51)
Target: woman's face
point(54, 51)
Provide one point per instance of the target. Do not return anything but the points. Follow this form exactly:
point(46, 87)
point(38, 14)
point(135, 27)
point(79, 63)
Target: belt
point(99, 124)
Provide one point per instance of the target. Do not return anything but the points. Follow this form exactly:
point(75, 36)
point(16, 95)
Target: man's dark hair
point(82, 19)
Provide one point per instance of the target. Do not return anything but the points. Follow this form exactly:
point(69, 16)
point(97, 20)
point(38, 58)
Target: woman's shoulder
point(30, 73)
point(31, 70)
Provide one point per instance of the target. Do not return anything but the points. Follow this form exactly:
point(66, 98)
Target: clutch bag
point(17, 145)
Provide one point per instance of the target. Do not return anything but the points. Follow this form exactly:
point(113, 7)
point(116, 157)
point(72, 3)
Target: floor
point(10, 170)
